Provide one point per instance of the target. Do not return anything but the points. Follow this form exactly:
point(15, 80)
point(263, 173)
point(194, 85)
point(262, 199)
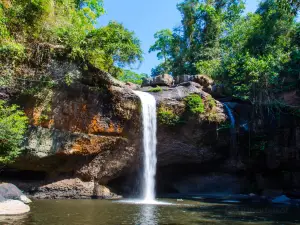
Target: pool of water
point(98, 212)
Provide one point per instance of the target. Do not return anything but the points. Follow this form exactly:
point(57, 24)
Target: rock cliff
point(84, 140)
point(90, 130)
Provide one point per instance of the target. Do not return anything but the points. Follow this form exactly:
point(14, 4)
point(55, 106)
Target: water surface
point(98, 212)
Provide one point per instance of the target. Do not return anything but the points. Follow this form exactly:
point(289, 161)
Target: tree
point(66, 27)
point(130, 76)
point(13, 124)
point(256, 50)
point(113, 45)
point(197, 40)
point(164, 45)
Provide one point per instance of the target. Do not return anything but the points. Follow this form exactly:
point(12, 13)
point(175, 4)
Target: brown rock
point(205, 81)
point(163, 80)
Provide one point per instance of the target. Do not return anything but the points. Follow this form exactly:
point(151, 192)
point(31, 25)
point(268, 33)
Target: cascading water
point(232, 130)
point(149, 144)
point(231, 117)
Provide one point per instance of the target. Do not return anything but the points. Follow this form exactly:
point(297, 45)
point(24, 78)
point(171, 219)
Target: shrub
point(195, 104)
point(12, 51)
point(13, 124)
point(156, 89)
point(167, 117)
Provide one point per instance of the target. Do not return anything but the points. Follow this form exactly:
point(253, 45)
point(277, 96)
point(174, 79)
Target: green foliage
point(194, 47)
point(195, 104)
point(168, 117)
point(113, 45)
point(13, 124)
point(255, 56)
point(67, 26)
point(130, 76)
point(165, 46)
point(12, 51)
point(156, 89)
point(256, 50)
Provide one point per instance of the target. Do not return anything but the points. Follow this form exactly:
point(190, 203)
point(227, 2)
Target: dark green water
point(94, 212)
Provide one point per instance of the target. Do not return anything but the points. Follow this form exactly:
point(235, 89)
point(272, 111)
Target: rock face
point(86, 135)
point(196, 140)
point(83, 133)
point(89, 130)
point(84, 140)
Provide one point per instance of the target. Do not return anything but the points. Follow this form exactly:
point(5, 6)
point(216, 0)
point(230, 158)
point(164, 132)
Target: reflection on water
point(102, 212)
point(148, 215)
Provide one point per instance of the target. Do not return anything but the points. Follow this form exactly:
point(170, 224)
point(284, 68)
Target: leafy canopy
point(256, 56)
point(67, 26)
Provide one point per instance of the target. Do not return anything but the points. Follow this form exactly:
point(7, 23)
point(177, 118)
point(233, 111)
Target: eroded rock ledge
point(87, 135)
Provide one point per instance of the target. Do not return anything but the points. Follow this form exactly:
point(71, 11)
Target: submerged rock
point(13, 207)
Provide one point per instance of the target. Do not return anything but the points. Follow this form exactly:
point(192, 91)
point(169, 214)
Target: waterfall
point(231, 117)
point(232, 130)
point(149, 144)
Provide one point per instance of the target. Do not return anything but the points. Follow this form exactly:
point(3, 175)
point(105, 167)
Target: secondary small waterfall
point(232, 130)
point(149, 144)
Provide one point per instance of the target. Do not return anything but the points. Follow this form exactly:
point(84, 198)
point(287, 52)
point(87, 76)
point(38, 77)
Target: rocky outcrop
point(196, 139)
point(71, 188)
point(160, 80)
point(87, 130)
point(86, 135)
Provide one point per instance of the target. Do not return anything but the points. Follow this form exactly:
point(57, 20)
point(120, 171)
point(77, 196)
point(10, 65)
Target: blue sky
point(145, 17)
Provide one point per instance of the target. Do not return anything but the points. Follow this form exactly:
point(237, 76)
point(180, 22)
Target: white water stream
point(149, 144)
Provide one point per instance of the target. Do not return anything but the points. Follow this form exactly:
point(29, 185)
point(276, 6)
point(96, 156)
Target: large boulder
point(132, 86)
point(13, 207)
point(10, 191)
point(163, 80)
point(160, 80)
point(71, 189)
point(183, 79)
point(205, 81)
point(147, 81)
point(12, 200)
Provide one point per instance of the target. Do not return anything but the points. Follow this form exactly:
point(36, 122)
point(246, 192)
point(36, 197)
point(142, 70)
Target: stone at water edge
point(13, 207)
point(24, 199)
point(11, 192)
